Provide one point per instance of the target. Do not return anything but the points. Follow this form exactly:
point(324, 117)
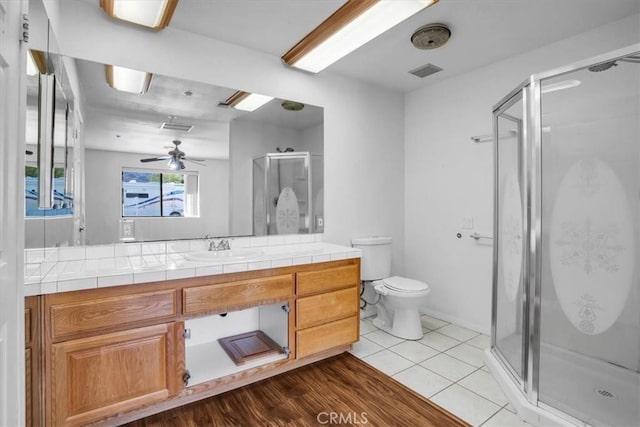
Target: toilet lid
point(402, 284)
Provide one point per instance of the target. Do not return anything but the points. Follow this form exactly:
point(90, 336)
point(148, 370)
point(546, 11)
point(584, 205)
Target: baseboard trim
point(453, 319)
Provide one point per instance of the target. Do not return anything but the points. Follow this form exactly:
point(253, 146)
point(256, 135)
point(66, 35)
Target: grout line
point(435, 394)
point(463, 361)
point(507, 409)
point(476, 393)
point(439, 352)
point(491, 416)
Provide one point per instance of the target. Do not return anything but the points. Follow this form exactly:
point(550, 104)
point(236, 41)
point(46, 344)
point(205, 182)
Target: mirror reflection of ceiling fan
point(175, 158)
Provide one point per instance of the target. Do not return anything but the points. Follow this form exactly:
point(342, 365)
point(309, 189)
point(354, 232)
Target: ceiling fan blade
point(196, 161)
point(155, 159)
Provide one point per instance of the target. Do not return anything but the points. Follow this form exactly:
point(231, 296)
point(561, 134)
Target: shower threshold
point(574, 391)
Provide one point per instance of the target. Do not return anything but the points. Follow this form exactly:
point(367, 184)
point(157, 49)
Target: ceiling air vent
point(176, 126)
point(425, 70)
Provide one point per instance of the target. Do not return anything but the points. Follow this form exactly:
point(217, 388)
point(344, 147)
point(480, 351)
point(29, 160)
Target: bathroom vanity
point(113, 354)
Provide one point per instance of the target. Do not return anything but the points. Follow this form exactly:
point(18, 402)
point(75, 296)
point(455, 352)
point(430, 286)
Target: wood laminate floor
point(342, 390)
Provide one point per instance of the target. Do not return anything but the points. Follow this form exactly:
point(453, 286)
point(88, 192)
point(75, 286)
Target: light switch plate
point(467, 222)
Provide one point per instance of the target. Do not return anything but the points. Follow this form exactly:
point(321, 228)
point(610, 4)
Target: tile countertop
point(52, 270)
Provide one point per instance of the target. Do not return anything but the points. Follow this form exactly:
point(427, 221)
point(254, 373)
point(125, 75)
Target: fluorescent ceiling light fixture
point(348, 28)
point(565, 84)
point(149, 13)
point(36, 63)
point(246, 101)
point(127, 80)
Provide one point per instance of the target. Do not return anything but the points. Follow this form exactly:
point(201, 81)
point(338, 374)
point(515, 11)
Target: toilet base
point(404, 323)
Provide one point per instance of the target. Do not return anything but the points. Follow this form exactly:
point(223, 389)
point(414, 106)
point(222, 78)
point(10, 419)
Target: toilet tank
point(376, 256)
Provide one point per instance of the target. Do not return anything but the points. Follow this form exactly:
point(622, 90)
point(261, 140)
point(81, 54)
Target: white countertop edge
point(176, 266)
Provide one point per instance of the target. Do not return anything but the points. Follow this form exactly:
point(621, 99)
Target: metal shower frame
point(306, 157)
point(530, 177)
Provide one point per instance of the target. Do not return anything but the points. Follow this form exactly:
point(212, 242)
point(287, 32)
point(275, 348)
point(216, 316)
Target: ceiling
point(121, 121)
point(483, 31)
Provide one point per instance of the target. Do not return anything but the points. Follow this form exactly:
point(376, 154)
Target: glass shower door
point(288, 193)
point(282, 194)
point(508, 317)
point(590, 284)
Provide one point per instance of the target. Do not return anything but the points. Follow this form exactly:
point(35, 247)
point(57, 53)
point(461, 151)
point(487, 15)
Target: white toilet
point(399, 297)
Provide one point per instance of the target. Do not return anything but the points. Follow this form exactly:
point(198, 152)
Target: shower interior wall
point(448, 177)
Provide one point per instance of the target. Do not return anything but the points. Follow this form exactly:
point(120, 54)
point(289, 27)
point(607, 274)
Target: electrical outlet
point(319, 222)
point(467, 222)
point(127, 229)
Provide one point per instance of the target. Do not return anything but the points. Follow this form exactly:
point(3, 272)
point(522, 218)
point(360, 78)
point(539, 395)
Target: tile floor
point(446, 366)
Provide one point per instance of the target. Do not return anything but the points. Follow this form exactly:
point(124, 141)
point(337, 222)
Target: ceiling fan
point(175, 157)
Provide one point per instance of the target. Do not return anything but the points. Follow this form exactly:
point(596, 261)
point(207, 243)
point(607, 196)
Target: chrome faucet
point(223, 245)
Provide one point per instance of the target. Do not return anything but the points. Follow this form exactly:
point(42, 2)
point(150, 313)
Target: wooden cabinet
point(327, 318)
point(99, 376)
point(323, 308)
point(32, 340)
point(230, 296)
point(323, 337)
point(73, 313)
point(309, 282)
point(119, 353)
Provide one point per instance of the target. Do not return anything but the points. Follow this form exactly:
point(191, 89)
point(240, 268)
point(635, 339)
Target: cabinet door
point(32, 360)
point(102, 375)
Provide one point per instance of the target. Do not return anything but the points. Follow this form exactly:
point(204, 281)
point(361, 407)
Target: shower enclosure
point(288, 196)
point(565, 343)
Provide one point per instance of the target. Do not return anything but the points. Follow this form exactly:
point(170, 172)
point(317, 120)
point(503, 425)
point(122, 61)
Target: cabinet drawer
point(81, 316)
point(323, 337)
point(322, 308)
point(309, 282)
point(233, 295)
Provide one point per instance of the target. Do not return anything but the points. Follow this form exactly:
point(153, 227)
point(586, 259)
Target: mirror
point(116, 197)
point(49, 144)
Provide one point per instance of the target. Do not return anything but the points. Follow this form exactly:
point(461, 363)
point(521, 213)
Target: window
point(62, 201)
point(159, 194)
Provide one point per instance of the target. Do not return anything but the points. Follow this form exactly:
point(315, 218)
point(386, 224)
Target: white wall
point(103, 200)
point(363, 126)
point(449, 177)
point(313, 139)
point(12, 130)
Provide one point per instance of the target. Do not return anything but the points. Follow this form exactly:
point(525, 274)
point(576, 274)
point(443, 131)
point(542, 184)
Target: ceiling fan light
point(351, 26)
point(128, 80)
point(246, 101)
point(172, 163)
point(154, 14)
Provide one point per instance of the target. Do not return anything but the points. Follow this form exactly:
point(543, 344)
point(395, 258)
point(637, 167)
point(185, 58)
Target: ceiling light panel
point(334, 38)
point(149, 13)
point(127, 80)
point(246, 101)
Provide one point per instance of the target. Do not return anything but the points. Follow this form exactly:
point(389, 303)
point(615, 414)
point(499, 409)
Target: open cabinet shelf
point(206, 358)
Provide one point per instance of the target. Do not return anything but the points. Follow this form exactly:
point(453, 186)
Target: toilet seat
point(403, 285)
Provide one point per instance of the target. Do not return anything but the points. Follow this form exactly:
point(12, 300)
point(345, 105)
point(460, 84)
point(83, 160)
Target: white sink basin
point(224, 256)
